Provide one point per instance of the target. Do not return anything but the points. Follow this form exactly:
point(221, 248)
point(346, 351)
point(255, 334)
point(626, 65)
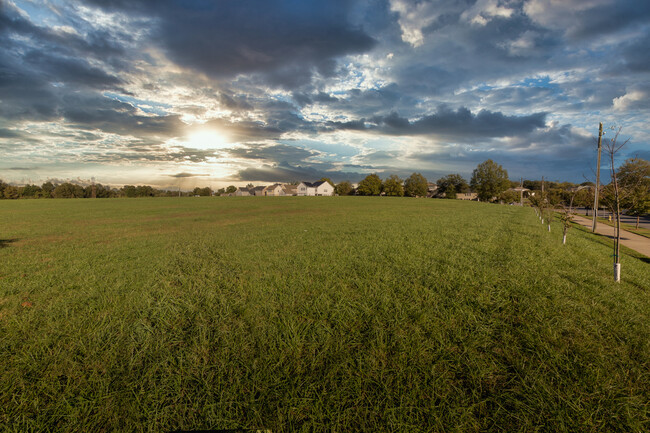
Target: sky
point(185, 93)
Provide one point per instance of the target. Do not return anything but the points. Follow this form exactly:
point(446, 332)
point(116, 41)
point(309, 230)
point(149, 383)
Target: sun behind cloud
point(206, 139)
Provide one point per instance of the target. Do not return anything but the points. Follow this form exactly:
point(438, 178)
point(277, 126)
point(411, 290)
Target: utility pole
point(600, 142)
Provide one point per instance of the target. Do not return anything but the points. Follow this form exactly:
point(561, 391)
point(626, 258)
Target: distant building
point(289, 190)
point(242, 192)
point(274, 190)
point(322, 187)
point(305, 188)
point(432, 189)
point(257, 191)
point(466, 196)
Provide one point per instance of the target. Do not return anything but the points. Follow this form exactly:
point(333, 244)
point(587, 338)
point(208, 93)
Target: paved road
point(630, 240)
point(644, 221)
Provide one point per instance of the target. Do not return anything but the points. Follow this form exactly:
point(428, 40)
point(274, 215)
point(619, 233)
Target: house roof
point(290, 187)
point(258, 188)
point(318, 183)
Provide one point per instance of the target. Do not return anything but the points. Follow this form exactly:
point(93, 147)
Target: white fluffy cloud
point(484, 10)
point(638, 98)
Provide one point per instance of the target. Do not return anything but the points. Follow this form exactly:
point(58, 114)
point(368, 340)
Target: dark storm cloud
point(95, 43)
point(74, 71)
point(633, 59)
point(109, 115)
point(556, 150)
point(371, 102)
point(39, 67)
point(285, 172)
point(23, 168)
point(8, 133)
point(183, 175)
point(275, 152)
point(448, 123)
point(598, 18)
point(285, 39)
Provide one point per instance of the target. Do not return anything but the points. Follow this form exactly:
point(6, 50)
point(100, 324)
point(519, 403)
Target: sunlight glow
point(206, 139)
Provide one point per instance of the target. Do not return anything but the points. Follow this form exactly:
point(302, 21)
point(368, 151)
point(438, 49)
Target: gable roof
point(290, 187)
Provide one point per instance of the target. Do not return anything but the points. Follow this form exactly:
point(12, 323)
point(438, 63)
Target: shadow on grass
point(221, 431)
point(5, 242)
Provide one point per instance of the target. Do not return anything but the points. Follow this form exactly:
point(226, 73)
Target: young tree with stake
point(611, 147)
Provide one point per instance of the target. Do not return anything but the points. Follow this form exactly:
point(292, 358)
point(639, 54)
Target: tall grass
point(304, 314)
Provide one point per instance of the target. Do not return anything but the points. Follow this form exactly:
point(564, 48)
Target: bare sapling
point(611, 148)
point(567, 214)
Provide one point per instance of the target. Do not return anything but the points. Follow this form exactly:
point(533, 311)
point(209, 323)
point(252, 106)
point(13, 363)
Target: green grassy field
point(314, 314)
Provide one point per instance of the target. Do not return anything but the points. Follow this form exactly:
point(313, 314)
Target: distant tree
point(509, 196)
point(102, 191)
point(327, 179)
point(11, 192)
point(489, 180)
point(250, 186)
point(47, 188)
point(222, 191)
point(68, 190)
point(394, 186)
point(416, 185)
point(231, 189)
point(128, 191)
point(452, 184)
point(450, 192)
point(203, 192)
point(2, 188)
point(371, 185)
point(634, 177)
point(144, 191)
point(30, 191)
point(343, 188)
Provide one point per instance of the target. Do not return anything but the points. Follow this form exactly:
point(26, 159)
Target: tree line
point(72, 190)
point(489, 181)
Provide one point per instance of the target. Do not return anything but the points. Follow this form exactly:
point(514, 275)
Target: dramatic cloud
point(183, 175)
point(284, 39)
point(129, 91)
point(461, 124)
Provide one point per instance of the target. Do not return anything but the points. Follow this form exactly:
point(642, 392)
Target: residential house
point(273, 190)
point(432, 189)
point(322, 187)
point(258, 190)
point(242, 192)
point(305, 188)
point(289, 190)
point(466, 196)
